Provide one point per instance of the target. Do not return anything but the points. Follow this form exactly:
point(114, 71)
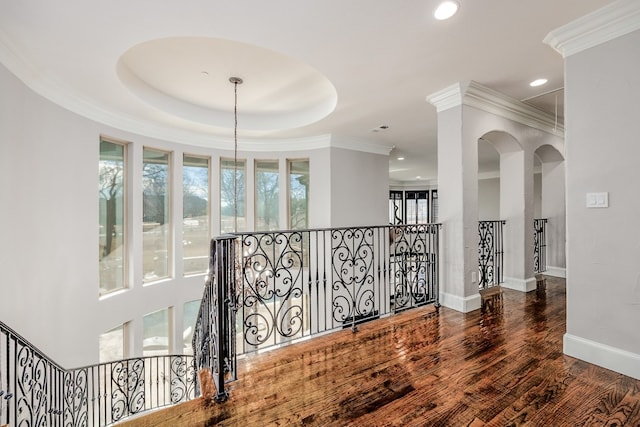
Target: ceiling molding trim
point(352, 144)
point(610, 22)
point(497, 103)
point(449, 97)
point(292, 144)
point(476, 95)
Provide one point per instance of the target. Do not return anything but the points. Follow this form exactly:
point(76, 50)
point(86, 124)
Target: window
point(156, 223)
point(195, 214)
point(155, 338)
point(416, 207)
point(189, 316)
point(434, 206)
point(112, 344)
point(395, 207)
point(112, 218)
point(231, 191)
point(267, 195)
point(298, 194)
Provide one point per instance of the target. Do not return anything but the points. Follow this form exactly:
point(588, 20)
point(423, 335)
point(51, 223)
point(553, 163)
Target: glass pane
point(155, 332)
point(112, 226)
point(190, 314)
point(434, 205)
point(411, 211)
point(112, 345)
point(298, 194)
point(156, 232)
point(395, 207)
point(423, 211)
point(195, 214)
point(267, 195)
point(228, 196)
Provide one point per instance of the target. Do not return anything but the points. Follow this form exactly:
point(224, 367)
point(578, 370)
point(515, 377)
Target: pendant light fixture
point(236, 81)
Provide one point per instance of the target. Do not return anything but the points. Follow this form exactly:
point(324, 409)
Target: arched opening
point(550, 219)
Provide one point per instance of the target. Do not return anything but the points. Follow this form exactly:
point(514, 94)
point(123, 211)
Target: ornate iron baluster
point(490, 253)
point(540, 245)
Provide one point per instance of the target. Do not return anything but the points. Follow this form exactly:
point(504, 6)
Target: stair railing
point(35, 391)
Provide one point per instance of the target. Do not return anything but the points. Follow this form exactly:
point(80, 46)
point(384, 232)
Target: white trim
point(555, 271)
point(522, 285)
point(608, 357)
point(475, 95)
point(449, 97)
point(462, 304)
point(610, 22)
point(353, 144)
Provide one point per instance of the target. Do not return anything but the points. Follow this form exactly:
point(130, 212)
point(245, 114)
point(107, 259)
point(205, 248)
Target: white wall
point(49, 256)
point(359, 195)
point(603, 244)
point(488, 199)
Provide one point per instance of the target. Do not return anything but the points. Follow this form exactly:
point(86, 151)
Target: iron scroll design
point(352, 259)
point(540, 245)
point(414, 266)
point(490, 253)
point(299, 283)
point(35, 391)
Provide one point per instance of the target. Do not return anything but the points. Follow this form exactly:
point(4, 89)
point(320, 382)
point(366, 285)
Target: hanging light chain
point(236, 81)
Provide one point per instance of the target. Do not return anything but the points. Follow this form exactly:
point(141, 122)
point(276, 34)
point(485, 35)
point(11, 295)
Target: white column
point(553, 208)
point(516, 207)
point(458, 211)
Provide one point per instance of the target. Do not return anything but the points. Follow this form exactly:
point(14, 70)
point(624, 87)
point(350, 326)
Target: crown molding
point(474, 94)
point(353, 144)
point(612, 21)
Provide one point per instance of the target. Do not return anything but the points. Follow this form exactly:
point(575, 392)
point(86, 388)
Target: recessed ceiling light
point(400, 158)
point(538, 82)
point(418, 177)
point(445, 10)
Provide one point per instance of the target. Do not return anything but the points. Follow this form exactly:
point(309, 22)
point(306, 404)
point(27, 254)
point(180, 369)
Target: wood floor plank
point(500, 367)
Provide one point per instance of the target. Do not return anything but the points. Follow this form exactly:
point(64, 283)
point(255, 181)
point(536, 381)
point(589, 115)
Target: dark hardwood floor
point(503, 367)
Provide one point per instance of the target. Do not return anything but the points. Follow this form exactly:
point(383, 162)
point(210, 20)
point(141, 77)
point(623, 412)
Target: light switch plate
point(598, 200)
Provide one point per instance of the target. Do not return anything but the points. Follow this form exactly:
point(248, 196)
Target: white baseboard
point(522, 285)
point(613, 358)
point(458, 303)
point(555, 271)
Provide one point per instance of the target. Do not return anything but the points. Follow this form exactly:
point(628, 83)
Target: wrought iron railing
point(540, 245)
point(35, 391)
point(284, 286)
point(213, 343)
point(490, 253)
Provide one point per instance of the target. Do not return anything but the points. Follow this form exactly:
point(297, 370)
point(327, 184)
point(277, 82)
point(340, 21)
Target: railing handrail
point(6, 328)
point(81, 396)
point(301, 230)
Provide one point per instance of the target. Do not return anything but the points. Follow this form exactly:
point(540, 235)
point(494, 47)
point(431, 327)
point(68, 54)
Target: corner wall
point(603, 244)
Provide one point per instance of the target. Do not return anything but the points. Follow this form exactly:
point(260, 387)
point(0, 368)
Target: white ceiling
point(343, 67)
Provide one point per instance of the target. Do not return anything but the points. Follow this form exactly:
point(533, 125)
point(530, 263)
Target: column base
point(462, 304)
point(522, 285)
point(555, 271)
